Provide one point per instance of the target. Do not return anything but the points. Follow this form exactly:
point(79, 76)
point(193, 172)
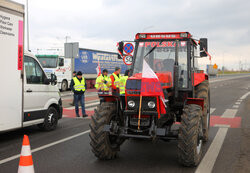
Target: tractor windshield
point(162, 58)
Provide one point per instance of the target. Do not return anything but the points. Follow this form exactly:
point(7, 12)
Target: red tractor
point(185, 114)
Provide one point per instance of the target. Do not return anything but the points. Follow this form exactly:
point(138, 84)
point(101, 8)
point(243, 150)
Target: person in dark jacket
point(78, 86)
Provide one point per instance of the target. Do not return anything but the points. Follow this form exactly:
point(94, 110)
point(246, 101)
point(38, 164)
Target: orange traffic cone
point(26, 163)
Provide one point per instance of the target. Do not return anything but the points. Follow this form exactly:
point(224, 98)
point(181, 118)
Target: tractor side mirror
point(120, 47)
point(203, 45)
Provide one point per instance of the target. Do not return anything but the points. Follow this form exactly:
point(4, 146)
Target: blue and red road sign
point(128, 48)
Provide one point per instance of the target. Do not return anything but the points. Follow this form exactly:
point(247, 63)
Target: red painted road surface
point(89, 98)
point(214, 120)
point(70, 113)
point(233, 122)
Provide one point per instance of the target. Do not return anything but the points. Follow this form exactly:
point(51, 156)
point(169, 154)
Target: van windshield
point(48, 61)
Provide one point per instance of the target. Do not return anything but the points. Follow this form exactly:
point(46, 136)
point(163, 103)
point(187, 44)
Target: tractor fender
point(110, 98)
point(197, 101)
point(198, 78)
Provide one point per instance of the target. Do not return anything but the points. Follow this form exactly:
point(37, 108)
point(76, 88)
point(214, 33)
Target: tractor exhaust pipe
point(176, 69)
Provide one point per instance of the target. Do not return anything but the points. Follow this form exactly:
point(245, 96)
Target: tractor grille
point(145, 101)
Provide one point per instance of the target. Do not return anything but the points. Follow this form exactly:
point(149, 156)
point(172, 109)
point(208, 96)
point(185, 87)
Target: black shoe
point(77, 115)
point(85, 115)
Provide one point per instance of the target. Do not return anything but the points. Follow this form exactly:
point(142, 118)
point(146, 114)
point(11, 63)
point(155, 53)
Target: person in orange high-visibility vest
point(115, 81)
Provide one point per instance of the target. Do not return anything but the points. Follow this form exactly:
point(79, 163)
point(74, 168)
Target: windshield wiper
point(153, 48)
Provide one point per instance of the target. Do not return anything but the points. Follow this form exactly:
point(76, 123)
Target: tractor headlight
point(151, 104)
point(131, 103)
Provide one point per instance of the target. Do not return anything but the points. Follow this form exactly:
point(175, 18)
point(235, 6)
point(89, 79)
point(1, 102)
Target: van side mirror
point(61, 62)
point(120, 47)
point(203, 46)
point(53, 79)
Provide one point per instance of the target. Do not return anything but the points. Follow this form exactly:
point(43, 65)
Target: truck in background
point(87, 62)
point(212, 70)
point(58, 65)
point(28, 97)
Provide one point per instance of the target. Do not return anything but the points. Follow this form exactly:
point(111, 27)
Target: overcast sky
point(100, 24)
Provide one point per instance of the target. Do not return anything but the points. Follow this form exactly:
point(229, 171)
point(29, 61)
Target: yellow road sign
point(215, 66)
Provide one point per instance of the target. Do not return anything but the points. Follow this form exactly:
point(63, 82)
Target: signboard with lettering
point(88, 61)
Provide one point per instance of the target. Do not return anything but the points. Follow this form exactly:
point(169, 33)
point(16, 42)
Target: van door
point(36, 92)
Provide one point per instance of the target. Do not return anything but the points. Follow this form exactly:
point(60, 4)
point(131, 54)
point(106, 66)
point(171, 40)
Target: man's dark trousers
point(79, 97)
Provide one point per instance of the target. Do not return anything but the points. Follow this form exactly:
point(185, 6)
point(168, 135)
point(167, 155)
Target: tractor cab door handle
point(29, 91)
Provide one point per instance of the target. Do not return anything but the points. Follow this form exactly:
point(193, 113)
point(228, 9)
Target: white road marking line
point(86, 105)
point(245, 95)
point(70, 108)
point(236, 106)
point(207, 163)
point(239, 100)
point(45, 146)
point(212, 110)
point(90, 109)
point(237, 103)
point(229, 113)
point(222, 125)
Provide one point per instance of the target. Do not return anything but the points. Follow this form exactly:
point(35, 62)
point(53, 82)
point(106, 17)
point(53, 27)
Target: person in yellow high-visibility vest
point(78, 86)
point(102, 84)
point(123, 82)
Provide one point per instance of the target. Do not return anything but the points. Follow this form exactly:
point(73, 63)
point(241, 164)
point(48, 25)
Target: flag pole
point(139, 116)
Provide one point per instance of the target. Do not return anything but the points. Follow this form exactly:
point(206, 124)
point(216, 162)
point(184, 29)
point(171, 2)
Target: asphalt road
point(67, 148)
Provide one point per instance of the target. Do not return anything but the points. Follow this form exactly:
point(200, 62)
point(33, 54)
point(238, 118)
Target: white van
point(27, 96)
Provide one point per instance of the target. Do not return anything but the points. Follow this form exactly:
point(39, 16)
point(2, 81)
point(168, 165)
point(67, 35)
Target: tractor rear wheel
point(190, 136)
point(104, 145)
point(202, 91)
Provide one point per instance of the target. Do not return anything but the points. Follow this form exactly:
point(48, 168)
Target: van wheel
point(64, 85)
point(50, 120)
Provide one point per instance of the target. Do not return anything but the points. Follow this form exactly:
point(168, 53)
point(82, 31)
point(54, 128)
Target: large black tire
point(50, 120)
point(64, 85)
point(104, 145)
point(190, 136)
point(203, 91)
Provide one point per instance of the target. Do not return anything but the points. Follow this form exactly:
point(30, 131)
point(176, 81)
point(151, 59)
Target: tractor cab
point(173, 58)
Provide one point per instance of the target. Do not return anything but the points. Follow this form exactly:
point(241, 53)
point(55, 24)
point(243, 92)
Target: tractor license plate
point(143, 122)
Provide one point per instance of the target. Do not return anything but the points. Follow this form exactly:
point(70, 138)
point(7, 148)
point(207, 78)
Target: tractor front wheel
point(190, 136)
point(104, 145)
